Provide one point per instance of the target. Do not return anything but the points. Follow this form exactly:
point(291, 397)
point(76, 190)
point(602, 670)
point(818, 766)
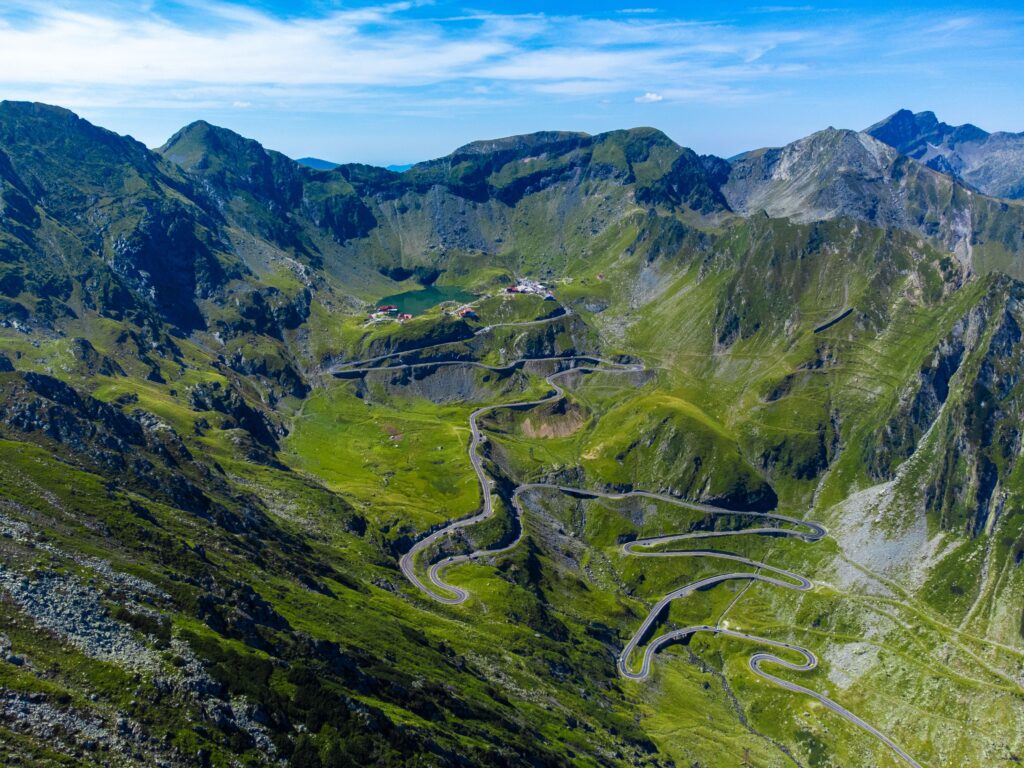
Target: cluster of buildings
point(531, 286)
point(386, 311)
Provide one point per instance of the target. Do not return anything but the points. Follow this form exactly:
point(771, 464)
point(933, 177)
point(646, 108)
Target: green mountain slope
point(205, 497)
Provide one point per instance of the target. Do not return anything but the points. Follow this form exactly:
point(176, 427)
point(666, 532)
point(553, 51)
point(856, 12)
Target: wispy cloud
point(242, 47)
point(782, 8)
point(116, 54)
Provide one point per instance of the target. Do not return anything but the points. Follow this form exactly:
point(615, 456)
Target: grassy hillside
point(204, 498)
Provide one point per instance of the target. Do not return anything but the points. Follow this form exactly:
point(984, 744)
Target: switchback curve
point(638, 548)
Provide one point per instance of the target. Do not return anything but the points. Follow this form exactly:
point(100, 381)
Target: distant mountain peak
point(903, 128)
point(823, 152)
point(317, 164)
point(197, 139)
point(991, 162)
point(912, 132)
point(833, 173)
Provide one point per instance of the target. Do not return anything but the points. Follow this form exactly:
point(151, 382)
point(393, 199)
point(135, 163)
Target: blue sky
point(404, 81)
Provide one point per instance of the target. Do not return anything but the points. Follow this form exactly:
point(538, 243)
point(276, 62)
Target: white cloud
point(576, 88)
point(245, 48)
point(114, 54)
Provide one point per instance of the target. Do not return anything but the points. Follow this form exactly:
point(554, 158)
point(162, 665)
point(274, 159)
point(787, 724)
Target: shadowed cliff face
point(116, 218)
point(982, 434)
point(965, 399)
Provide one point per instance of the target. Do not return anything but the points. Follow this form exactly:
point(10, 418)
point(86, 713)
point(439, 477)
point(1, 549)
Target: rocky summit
point(992, 163)
point(561, 450)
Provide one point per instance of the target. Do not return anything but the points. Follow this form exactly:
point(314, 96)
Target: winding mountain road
point(359, 366)
point(443, 592)
point(810, 662)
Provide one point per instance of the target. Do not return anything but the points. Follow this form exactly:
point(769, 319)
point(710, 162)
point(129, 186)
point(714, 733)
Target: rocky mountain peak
point(903, 129)
point(993, 163)
point(912, 133)
point(194, 147)
point(831, 173)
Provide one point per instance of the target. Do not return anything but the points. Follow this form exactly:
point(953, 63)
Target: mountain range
point(206, 496)
point(988, 162)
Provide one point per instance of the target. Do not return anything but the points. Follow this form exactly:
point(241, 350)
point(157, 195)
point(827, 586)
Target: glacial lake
point(416, 302)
